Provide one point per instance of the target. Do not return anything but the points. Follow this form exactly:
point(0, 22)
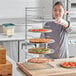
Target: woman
point(60, 29)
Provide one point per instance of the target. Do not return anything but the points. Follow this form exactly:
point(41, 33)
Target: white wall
point(16, 8)
point(47, 4)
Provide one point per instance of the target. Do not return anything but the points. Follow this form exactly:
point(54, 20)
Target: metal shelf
point(32, 18)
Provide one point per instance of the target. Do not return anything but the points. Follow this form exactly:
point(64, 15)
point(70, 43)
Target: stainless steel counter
point(18, 36)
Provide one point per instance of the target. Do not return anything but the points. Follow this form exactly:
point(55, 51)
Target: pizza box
point(6, 69)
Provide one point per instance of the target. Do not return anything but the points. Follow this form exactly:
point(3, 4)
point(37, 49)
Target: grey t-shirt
point(60, 35)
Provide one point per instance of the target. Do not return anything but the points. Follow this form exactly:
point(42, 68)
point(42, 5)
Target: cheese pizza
point(39, 60)
point(39, 40)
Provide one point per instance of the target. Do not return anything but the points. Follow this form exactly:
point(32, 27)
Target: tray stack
point(40, 50)
point(5, 65)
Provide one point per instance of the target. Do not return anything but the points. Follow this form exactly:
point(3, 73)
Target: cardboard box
point(6, 69)
point(2, 55)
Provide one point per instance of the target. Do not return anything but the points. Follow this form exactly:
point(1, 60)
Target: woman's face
point(58, 11)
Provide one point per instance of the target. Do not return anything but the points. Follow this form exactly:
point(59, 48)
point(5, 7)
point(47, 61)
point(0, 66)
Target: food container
point(8, 29)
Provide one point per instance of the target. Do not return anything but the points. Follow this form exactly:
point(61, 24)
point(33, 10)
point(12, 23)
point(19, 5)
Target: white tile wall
point(15, 8)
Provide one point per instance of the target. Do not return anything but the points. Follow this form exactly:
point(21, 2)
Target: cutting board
point(50, 69)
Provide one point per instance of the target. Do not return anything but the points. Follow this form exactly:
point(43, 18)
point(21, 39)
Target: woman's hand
point(62, 22)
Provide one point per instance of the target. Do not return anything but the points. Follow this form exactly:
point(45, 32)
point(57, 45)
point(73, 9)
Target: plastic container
point(8, 29)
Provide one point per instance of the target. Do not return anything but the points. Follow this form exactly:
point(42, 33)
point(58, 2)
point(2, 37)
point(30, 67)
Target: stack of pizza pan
point(39, 50)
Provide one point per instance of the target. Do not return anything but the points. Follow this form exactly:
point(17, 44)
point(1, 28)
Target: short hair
point(58, 3)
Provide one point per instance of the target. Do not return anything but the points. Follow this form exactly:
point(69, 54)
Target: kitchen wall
point(16, 8)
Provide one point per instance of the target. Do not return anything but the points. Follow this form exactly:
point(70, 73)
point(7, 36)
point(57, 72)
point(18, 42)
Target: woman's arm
point(68, 28)
point(66, 25)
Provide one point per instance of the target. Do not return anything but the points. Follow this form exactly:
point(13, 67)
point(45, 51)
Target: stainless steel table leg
point(18, 51)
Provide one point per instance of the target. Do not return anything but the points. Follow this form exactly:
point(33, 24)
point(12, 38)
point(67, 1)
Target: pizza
point(68, 64)
point(38, 60)
point(39, 50)
point(40, 30)
point(39, 40)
